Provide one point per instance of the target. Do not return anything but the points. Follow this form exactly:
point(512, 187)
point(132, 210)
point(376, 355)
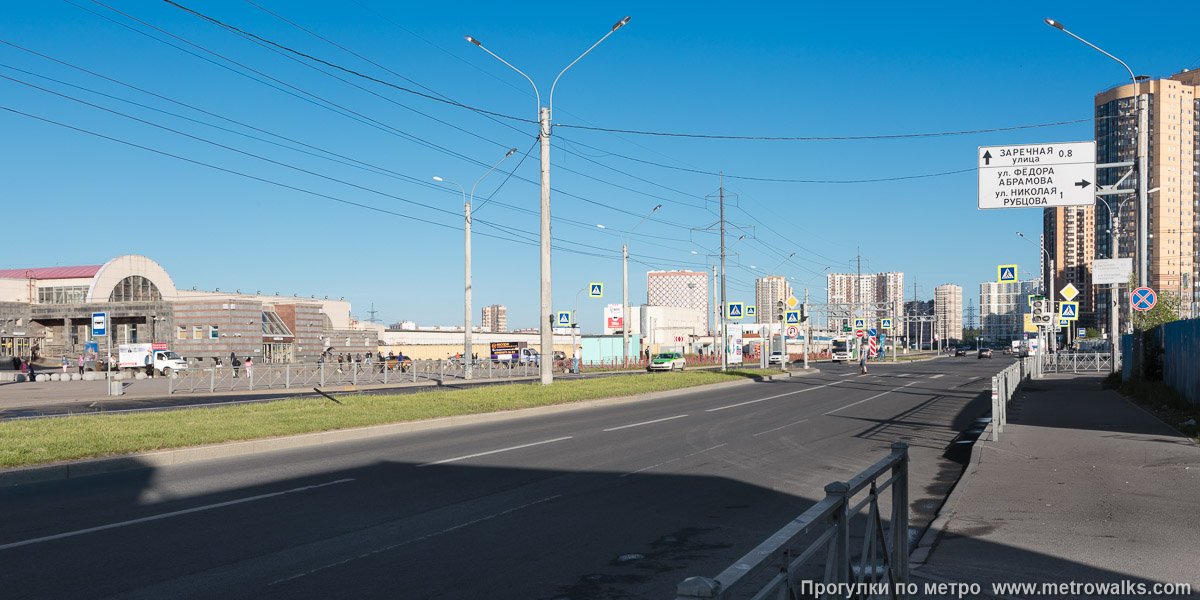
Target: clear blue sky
point(789, 70)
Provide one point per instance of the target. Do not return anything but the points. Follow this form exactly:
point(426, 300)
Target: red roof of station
point(51, 272)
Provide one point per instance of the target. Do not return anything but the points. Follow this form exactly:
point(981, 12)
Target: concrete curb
point(96, 466)
point(937, 527)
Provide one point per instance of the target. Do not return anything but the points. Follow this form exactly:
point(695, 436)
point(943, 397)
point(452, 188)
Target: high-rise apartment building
point(683, 289)
point(1069, 238)
point(852, 288)
point(768, 292)
point(1170, 127)
point(1002, 308)
point(495, 318)
point(947, 307)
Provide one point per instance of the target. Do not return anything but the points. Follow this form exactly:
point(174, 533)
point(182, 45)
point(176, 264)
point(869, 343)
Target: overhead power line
point(820, 138)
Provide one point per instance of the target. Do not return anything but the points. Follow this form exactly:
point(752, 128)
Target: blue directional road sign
point(871, 332)
point(1005, 273)
point(860, 323)
point(1068, 310)
point(1142, 298)
point(885, 323)
point(736, 310)
point(791, 317)
point(564, 318)
point(597, 290)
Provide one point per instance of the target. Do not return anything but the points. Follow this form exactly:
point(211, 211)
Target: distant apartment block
point(495, 318)
point(851, 288)
point(948, 310)
point(768, 292)
point(1002, 309)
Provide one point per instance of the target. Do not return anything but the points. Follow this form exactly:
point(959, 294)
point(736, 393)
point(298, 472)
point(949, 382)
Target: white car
point(667, 361)
point(777, 358)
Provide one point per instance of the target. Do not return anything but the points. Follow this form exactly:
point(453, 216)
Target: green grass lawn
point(40, 441)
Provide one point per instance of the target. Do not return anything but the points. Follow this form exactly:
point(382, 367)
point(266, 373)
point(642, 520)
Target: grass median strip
point(40, 441)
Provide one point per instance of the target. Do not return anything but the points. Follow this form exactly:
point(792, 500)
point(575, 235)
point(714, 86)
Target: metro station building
point(49, 310)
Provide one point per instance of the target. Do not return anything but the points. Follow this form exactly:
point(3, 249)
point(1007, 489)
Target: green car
point(667, 361)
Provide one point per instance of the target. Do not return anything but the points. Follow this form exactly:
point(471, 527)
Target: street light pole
point(544, 112)
point(468, 361)
point(1050, 292)
point(1142, 143)
point(625, 320)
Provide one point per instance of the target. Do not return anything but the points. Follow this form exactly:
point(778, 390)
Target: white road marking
point(177, 513)
point(938, 375)
point(771, 397)
point(871, 398)
point(672, 460)
point(416, 539)
point(778, 428)
point(458, 458)
point(645, 423)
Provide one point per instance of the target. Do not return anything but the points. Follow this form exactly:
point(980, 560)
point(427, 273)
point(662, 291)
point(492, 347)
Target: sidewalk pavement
point(1082, 486)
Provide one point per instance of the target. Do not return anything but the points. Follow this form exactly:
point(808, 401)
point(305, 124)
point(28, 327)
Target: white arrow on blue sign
point(871, 332)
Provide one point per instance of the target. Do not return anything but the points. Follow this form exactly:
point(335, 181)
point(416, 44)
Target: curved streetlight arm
point(1060, 27)
point(783, 261)
point(464, 191)
point(510, 153)
point(1039, 247)
point(619, 24)
point(536, 94)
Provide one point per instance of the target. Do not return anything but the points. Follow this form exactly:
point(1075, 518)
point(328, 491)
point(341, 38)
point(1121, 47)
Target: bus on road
point(844, 349)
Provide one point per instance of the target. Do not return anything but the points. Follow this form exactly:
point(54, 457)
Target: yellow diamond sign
point(1069, 292)
point(791, 302)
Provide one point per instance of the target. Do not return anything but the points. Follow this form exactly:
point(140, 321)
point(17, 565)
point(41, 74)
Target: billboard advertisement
point(612, 316)
point(733, 344)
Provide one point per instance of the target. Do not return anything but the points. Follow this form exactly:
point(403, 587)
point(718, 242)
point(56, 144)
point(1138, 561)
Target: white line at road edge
point(936, 376)
point(418, 539)
point(778, 428)
point(771, 397)
point(645, 423)
point(672, 460)
point(457, 458)
point(168, 515)
point(871, 398)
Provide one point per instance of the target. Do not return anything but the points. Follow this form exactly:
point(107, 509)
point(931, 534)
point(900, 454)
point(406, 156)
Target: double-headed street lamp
point(1142, 173)
point(467, 354)
point(625, 283)
point(547, 317)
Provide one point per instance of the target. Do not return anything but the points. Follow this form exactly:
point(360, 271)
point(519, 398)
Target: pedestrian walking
point(249, 364)
point(862, 358)
point(576, 357)
point(235, 363)
point(64, 363)
point(81, 364)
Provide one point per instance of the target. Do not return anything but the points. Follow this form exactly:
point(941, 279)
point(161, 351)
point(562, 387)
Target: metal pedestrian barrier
point(279, 376)
point(1079, 362)
point(881, 563)
point(1005, 384)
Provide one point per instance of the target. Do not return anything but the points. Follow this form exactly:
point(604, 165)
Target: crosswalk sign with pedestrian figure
point(792, 317)
point(1006, 273)
point(564, 318)
point(1068, 310)
point(597, 290)
point(885, 324)
point(735, 310)
point(750, 311)
point(860, 323)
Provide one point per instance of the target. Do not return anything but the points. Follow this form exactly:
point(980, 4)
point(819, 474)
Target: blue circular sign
point(1143, 299)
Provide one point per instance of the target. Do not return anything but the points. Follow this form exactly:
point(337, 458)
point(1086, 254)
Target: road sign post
point(1037, 175)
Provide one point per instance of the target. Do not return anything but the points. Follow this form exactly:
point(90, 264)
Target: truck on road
point(513, 353)
point(156, 356)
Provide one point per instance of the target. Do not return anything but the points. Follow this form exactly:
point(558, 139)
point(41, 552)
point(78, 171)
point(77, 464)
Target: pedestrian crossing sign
point(1068, 310)
point(1006, 273)
point(1063, 323)
point(597, 290)
point(792, 317)
point(564, 318)
point(860, 323)
point(885, 324)
point(735, 310)
point(750, 311)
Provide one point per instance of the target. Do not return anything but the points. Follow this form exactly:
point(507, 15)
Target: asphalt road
point(621, 501)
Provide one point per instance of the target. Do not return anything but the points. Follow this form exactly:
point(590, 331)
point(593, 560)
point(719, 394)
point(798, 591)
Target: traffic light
point(803, 313)
point(846, 325)
point(780, 309)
